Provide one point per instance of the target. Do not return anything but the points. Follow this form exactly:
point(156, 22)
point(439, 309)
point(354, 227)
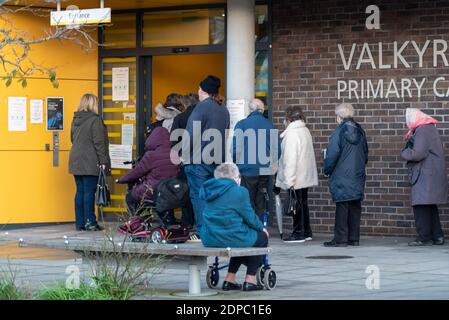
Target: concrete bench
point(191, 256)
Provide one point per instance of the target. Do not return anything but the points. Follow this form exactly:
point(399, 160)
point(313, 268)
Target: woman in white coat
point(297, 170)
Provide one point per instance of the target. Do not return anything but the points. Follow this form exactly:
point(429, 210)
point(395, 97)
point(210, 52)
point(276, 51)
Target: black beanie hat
point(210, 85)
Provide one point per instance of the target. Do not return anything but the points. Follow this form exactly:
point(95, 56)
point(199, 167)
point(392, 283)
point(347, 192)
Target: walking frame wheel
point(270, 279)
point(212, 277)
point(260, 275)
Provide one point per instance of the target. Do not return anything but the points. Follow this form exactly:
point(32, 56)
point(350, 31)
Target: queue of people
point(228, 199)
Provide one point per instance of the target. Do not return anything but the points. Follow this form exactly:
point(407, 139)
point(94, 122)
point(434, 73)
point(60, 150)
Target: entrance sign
point(120, 153)
point(79, 17)
point(120, 84)
point(17, 113)
point(236, 110)
point(36, 111)
point(55, 114)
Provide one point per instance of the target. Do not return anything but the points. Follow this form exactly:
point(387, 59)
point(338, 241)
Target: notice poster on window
point(120, 84)
point(36, 111)
point(128, 134)
point(17, 113)
point(120, 153)
point(236, 110)
point(55, 114)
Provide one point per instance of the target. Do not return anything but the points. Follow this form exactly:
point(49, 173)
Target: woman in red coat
point(155, 166)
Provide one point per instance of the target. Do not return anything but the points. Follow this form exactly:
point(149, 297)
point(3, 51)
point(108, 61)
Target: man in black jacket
point(345, 162)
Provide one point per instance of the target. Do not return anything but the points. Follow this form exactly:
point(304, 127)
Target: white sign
point(78, 17)
point(236, 110)
point(120, 84)
point(128, 134)
point(120, 153)
point(36, 111)
point(17, 113)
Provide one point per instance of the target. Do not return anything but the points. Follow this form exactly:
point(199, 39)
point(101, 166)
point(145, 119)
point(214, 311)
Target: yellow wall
point(183, 73)
point(31, 189)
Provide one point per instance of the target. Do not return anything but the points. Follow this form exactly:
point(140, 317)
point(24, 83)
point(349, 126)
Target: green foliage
point(14, 74)
point(9, 290)
point(84, 292)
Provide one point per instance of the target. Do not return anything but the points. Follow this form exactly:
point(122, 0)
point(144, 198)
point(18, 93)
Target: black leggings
point(251, 262)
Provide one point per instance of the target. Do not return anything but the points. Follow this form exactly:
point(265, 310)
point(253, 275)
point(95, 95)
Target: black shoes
point(93, 227)
point(419, 243)
point(247, 286)
point(438, 242)
point(228, 286)
point(80, 229)
point(333, 243)
point(294, 238)
point(353, 243)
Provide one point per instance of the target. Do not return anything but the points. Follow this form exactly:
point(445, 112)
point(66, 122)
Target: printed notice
point(36, 111)
point(120, 153)
point(120, 84)
point(236, 110)
point(17, 113)
point(128, 134)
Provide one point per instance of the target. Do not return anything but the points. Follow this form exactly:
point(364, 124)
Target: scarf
point(416, 118)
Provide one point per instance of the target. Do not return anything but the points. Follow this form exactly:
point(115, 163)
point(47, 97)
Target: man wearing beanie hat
point(212, 116)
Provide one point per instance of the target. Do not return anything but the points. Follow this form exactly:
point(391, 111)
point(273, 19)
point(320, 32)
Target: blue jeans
point(85, 200)
point(197, 174)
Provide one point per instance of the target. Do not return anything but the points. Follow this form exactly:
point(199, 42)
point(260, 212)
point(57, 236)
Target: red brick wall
point(306, 67)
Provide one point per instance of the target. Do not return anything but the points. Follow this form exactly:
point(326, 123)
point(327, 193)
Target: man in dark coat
point(425, 158)
point(256, 149)
point(202, 154)
point(345, 161)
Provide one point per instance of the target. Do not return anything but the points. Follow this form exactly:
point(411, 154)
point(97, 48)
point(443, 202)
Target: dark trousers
point(347, 221)
point(187, 211)
point(301, 220)
point(427, 221)
point(256, 186)
point(86, 187)
point(251, 262)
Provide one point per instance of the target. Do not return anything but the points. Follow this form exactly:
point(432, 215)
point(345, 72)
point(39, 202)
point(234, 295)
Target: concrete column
point(240, 57)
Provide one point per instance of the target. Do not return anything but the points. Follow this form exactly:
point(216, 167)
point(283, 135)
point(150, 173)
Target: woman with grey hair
point(230, 221)
point(344, 164)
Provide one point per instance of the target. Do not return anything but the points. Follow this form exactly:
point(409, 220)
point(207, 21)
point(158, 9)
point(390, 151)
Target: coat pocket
point(414, 173)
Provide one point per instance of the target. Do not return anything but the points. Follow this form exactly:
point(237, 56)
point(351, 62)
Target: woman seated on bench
point(230, 221)
point(154, 167)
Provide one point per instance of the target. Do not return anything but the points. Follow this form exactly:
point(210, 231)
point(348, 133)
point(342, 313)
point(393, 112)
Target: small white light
point(65, 237)
point(176, 246)
point(21, 240)
point(6, 233)
point(119, 244)
point(163, 241)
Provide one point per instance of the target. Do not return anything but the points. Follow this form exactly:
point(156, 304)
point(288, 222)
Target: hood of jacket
point(298, 124)
point(81, 117)
point(351, 131)
point(214, 188)
point(159, 137)
point(163, 113)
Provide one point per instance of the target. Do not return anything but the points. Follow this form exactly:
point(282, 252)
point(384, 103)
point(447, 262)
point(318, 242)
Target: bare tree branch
point(16, 45)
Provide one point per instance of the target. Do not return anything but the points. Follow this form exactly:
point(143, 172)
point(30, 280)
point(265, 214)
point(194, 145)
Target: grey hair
point(227, 170)
point(344, 110)
point(256, 105)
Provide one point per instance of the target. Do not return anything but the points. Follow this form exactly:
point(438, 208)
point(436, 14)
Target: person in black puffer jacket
point(344, 163)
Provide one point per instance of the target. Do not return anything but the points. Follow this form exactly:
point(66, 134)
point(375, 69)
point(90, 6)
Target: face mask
point(338, 120)
point(285, 123)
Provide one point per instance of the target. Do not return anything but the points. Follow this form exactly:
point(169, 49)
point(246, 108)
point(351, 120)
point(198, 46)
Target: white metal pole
point(101, 4)
point(58, 5)
point(194, 280)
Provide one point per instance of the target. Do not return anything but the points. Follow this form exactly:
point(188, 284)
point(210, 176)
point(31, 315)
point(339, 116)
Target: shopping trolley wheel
point(260, 274)
point(212, 277)
point(270, 279)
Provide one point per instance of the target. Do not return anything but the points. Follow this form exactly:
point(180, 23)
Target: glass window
point(184, 27)
point(262, 23)
point(119, 117)
point(262, 76)
point(122, 32)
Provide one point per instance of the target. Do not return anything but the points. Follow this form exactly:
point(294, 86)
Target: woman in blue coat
point(230, 221)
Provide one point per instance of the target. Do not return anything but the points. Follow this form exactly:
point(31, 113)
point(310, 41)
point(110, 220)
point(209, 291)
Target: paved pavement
point(305, 271)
